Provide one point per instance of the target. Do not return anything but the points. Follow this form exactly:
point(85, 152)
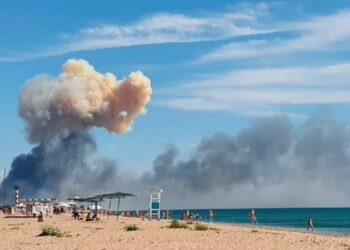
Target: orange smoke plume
point(80, 98)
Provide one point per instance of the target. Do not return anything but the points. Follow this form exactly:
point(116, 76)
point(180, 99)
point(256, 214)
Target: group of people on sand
point(94, 217)
point(78, 214)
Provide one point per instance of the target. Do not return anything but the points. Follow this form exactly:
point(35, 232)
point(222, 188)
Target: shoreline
point(291, 229)
point(333, 221)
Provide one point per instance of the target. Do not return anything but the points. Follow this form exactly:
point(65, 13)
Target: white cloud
point(319, 34)
point(157, 29)
point(163, 28)
point(330, 75)
point(275, 96)
point(260, 91)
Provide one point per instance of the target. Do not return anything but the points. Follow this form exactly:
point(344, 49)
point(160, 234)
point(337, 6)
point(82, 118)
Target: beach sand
point(22, 233)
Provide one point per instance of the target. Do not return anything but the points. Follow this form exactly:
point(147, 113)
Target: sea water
point(328, 220)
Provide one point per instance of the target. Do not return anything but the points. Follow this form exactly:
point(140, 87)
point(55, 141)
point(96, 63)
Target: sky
point(216, 67)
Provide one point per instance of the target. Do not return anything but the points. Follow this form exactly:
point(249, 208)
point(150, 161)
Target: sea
point(325, 220)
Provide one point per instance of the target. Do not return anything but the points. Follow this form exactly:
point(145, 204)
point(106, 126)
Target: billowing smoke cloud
point(62, 167)
point(272, 163)
point(80, 98)
point(224, 160)
point(58, 111)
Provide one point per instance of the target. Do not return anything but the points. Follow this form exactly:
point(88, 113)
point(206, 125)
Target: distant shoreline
point(332, 221)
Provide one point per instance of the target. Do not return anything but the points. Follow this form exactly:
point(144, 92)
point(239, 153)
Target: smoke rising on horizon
point(271, 163)
point(62, 167)
point(224, 160)
point(58, 112)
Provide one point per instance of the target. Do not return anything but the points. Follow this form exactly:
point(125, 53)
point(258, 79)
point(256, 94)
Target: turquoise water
point(328, 220)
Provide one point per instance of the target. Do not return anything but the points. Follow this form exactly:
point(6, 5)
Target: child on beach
point(88, 217)
point(41, 217)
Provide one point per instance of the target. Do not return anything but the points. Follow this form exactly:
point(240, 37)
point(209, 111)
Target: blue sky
point(214, 65)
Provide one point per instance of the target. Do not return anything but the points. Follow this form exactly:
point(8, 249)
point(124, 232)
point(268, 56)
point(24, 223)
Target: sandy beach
point(22, 233)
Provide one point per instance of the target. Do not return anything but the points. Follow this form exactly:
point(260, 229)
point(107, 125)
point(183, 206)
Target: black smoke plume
point(60, 167)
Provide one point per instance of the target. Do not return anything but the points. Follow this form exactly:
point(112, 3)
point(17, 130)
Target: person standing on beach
point(253, 217)
point(211, 215)
point(310, 224)
point(82, 211)
point(75, 212)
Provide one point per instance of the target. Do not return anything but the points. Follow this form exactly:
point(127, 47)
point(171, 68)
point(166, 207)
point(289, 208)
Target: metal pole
point(150, 205)
point(118, 208)
point(109, 207)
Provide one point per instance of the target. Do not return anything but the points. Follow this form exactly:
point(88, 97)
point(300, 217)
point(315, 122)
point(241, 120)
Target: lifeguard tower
point(154, 203)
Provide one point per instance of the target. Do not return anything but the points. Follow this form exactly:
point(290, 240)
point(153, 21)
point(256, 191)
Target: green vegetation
point(132, 227)
point(177, 224)
point(201, 227)
point(52, 231)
